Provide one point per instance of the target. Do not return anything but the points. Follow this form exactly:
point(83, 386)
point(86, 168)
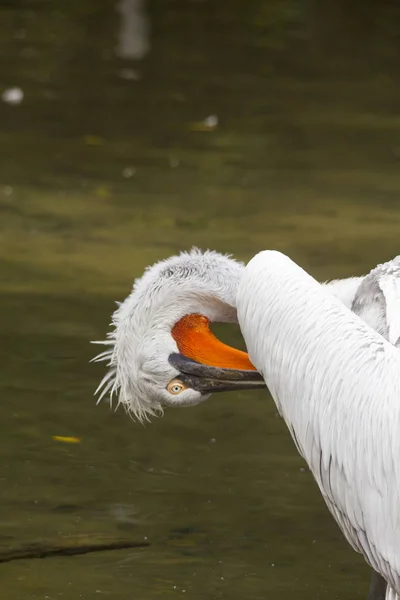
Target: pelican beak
point(208, 365)
point(208, 379)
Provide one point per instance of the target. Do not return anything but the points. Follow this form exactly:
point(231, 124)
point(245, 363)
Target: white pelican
point(163, 353)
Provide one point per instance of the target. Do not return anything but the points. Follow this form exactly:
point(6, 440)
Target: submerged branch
point(65, 549)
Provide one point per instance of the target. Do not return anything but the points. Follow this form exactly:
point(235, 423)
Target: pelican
point(162, 352)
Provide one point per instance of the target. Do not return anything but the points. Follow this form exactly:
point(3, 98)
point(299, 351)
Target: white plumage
point(334, 379)
point(336, 382)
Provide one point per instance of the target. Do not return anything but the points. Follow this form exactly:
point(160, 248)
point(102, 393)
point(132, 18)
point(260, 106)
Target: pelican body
point(326, 351)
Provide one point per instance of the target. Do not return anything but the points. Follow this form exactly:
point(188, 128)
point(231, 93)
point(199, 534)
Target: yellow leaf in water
point(103, 191)
point(93, 140)
point(66, 439)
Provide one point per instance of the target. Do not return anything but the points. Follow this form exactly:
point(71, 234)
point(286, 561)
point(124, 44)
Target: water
point(231, 125)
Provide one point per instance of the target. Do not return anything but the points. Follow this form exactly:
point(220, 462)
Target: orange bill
point(196, 341)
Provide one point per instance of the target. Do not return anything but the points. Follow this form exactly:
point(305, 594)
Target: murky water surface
point(130, 131)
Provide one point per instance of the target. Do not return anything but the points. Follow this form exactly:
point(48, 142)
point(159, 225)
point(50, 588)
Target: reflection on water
point(134, 32)
point(133, 36)
point(109, 164)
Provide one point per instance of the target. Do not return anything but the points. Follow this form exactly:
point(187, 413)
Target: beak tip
point(207, 379)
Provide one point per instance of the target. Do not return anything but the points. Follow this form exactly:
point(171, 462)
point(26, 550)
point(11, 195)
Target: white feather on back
point(344, 289)
point(390, 287)
point(377, 300)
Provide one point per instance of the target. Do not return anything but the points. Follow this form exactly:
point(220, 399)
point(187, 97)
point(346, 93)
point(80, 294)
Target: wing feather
point(390, 286)
point(377, 300)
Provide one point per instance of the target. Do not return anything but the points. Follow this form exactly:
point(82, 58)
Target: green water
point(106, 166)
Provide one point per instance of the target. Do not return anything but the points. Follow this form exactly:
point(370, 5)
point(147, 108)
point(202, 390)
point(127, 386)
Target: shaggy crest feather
point(192, 281)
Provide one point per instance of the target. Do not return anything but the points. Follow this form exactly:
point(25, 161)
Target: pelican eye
point(176, 386)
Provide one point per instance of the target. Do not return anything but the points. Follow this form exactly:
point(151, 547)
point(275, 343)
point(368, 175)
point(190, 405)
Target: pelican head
point(162, 351)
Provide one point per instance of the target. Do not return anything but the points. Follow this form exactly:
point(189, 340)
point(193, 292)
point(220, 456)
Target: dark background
point(128, 132)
